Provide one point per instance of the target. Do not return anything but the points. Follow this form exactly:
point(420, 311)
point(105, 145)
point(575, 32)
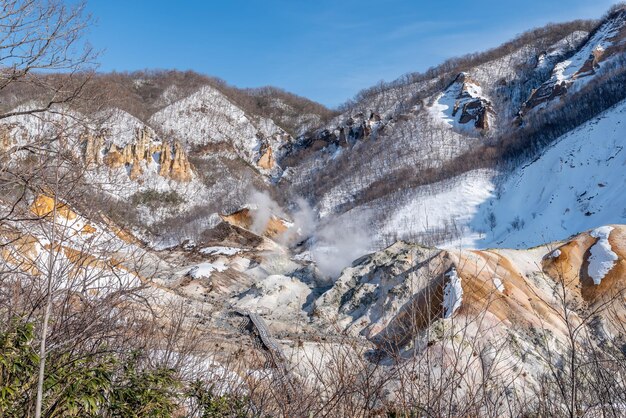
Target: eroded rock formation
point(143, 153)
point(267, 160)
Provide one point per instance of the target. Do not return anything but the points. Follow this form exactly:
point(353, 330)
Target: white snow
point(208, 116)
point(602, 258)
point(569, 72)
point(497, 282)
point(559, 49)
point(575, 185)
point(555, 254)
point(565, 70)
point(449, 204)
point(201, 367)
point(220, 250)
point(452, 294)
point(204, 270)
point(74, 255)
point(120, 127)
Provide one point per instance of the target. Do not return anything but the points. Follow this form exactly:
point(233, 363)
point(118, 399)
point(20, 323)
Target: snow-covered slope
point(373, 154)
point(589, 61)
point(576, 184)
point(209, 117)
point(463, 105)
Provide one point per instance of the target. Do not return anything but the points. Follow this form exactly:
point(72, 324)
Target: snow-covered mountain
point(470, 157)
point(209, 117)
point(474, 152)
point(397, 136)
point(480, 200)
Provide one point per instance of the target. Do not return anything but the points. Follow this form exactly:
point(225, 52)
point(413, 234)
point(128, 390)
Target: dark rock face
point(473, 109)
point(477, 111)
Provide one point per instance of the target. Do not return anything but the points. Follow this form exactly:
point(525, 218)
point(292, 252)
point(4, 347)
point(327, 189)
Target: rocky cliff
point(144, 152)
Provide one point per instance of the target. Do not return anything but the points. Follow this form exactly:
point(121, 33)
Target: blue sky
point(326, 50)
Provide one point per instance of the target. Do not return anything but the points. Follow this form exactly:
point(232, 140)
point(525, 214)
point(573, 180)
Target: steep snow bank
point(446, 205)
point(577, 184)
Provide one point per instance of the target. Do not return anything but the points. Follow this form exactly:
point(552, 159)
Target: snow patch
point(448, 204)
point(204, 270)
point(452, 294)
point(220, 250)
point(602, 258)
point(498, 284)
point(280, 295)
point(555, 254)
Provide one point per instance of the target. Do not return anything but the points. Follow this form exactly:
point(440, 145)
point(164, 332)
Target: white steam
point(338, 243)
point(334, 241)
point(262, 209)
point(304, 223)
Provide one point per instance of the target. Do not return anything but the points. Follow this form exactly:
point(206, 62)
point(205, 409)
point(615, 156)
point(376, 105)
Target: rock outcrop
point(180, 168)
point(464, 102)
point(400, 291)
point(410, 297)
point(44, 206)
point(143, 153)
point(574, 72)
point(267, 160)
point(347, 132)
point(244, 218)
point(93, 150)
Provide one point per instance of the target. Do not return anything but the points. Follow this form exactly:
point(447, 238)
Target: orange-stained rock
point(88, 229)
point(114, 157)
point(571, 267)
point(5, 137)
point(22, 252)
point(135, 170)
point(180, 168)
point(240, 218)
point(121, 233)
point(127, 154)
point(93, 147)
point(44, 205)
point(243, 219)
point(174, 165)
point(267, 160)
point(165, 159)
point(589, 67)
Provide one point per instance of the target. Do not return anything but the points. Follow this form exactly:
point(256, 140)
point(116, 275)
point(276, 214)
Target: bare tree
point(38, 39)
